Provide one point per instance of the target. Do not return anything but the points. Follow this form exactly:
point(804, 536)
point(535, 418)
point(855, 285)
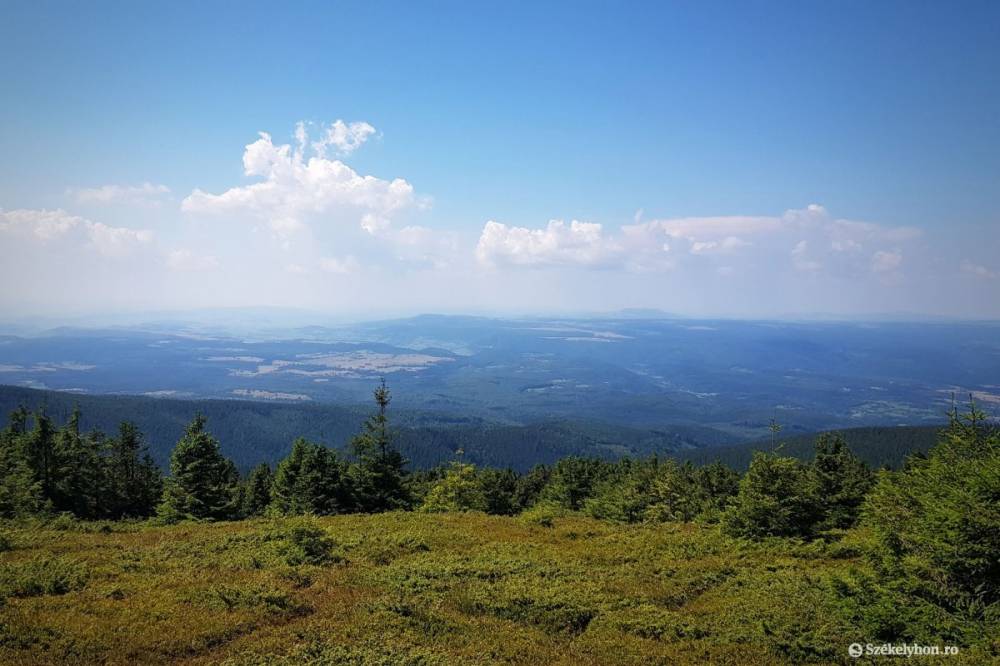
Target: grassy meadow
point(412, 588)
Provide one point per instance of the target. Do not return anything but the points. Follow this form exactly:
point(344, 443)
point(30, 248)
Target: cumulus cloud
point(343, 138)
point(558, 244)
point(146, 194)
point(374, 224)
point(293, 187)
point(801, 260)
point(42, 224)
point(809, 239)
point(51, 225)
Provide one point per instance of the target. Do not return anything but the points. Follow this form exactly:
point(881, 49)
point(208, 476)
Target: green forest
point(251, 431)
point(353, 557)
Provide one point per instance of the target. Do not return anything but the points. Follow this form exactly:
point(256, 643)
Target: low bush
point(303, 541)
point(41, 576)
point(269, 599)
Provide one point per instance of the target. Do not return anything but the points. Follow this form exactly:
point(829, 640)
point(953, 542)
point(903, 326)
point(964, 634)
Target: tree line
point(50, 469)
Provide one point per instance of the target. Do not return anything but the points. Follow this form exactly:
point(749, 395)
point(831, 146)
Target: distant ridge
point(878, 446)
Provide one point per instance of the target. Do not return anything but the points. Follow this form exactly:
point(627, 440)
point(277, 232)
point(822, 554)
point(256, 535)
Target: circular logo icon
point(854, 649)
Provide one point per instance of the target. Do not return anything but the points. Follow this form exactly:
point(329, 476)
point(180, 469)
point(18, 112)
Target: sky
point(747, 159)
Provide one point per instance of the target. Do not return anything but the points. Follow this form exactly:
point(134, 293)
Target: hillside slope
point(411, 588)
point(877, 446)
point(250, 432)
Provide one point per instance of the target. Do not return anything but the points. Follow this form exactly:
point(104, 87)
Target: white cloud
point(144, 194)
point(294, 187)
point(885, 262)
point(558, 244)
point(51, 225)
point(374, 224)
point(343, 137)
point(819, 242)
point(727, 244)
point(42, 224)
point(116, 241)
point(978, 270)
point(801, 260)
point(714, 228)
point(184, 259)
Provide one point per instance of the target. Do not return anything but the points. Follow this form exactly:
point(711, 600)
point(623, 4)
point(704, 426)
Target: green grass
point(411, 588)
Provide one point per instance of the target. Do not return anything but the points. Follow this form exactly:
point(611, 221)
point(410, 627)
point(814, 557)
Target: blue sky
point(740, 158)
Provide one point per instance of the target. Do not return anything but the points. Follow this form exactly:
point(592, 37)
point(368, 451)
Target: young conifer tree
point(20, 492)
point(135, 483)
point(937, 521)
point(842, 481)
point(380, 470)
point(256, 494)
point(202, 483)
point(458, 490)
point(312, 479)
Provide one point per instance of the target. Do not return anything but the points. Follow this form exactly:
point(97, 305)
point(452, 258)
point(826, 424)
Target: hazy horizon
point(285, 318)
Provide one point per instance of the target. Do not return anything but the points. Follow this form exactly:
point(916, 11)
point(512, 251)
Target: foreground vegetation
point(417, 588)
point(412, 588)
point(359, 561)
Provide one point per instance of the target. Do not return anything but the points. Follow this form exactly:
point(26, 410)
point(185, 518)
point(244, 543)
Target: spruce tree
point(776, 498)
point(39, 449)
point(79, 482)
point(20, 493)
point(842, 481)
point(202, 483)
point(531, 485)
point(937, 521)
point(676, 495)
point(625, 496)
point(380, 470)
point(573, 481)
point(135, 483)
point(256, 494)
point(311, 479)
point(499, 488)
point(719, 484)
point(459, 490)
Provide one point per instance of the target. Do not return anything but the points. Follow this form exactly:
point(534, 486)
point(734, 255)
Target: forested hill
point(251, 432)
point(877, 446)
